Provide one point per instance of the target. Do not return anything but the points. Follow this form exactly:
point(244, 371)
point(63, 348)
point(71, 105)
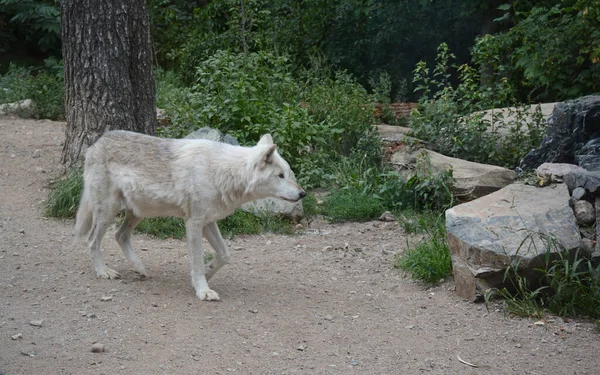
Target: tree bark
point(108, 71)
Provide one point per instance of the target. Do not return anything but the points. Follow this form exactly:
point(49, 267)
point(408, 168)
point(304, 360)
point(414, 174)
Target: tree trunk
point(108, 71)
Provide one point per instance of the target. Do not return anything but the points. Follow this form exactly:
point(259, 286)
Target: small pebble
point(36, 154)
point(98, 348)
point(17, 336)
point(36, 323)
point(106, 298)
point(329, 317)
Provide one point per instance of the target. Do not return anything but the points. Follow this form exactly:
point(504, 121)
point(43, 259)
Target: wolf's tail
point(85, 215)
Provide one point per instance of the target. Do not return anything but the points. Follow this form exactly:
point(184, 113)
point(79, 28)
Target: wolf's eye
point(281, 175)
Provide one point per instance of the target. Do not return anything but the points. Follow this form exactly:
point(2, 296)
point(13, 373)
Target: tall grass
point(429, 260)
point(64, 195)
point(568, 285)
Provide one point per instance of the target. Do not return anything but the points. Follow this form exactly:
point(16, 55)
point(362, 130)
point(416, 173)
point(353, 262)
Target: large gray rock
point(212, 135)
point(473, 180)
point(555, 172)
point(585, 214)
point(572, 136)
point(487, 235)
point(8, 108)
point(502, 120)
point(272, 206)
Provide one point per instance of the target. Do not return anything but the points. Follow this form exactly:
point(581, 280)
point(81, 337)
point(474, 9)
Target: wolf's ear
point(266, 157)
point(266, 140)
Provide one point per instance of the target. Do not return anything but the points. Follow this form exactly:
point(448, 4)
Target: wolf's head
point(273, 176)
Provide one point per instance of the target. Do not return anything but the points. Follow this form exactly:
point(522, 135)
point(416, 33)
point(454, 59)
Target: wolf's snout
point(302, 194)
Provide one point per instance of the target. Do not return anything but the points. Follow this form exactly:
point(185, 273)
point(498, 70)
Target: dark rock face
point(589, 181)
point(573, 136)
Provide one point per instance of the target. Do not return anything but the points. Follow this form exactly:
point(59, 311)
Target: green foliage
point(381, 84)
point(239, 223)
point(563, 69)
point(419, 222)
point(35, 22)
point(359, 36)
point(163, 227)
point(243, 223)
point(64, 195)
point(574, 285)
point(309, 206)
point(313, 119)
point(350, 205)
point(45, 87)
point(444, 117)
point(429, 260)
point(427, 189)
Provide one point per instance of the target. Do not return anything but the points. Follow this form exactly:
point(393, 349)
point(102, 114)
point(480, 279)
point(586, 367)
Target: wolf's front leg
point(213, 235)
point(193, 229)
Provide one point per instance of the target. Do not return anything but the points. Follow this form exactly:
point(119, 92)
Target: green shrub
point(429, 260)
point(561, 70)
point(239, 223)
point(427, 189)
point(44, 88)
point(444, 117)
point(309, 206)
point(349, 205)
point(163, 227)
point(313, 119)
point(64, 195)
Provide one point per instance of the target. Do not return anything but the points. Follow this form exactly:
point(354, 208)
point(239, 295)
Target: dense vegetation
point(310, 72)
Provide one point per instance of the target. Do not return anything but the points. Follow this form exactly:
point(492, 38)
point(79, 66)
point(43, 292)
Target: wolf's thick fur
point(199, 180)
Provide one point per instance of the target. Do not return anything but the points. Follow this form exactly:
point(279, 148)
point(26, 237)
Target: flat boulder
point(510, 225)
point(473, 180)
point(503, 120)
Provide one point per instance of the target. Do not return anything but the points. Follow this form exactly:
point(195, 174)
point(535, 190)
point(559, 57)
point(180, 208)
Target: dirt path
point(288, 305)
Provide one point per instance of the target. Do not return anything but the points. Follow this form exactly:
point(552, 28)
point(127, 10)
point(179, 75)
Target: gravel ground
point(324, 301)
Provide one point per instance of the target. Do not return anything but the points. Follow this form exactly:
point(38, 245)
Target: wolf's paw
point(108, 273)
point(208, 295)
point(141, 271)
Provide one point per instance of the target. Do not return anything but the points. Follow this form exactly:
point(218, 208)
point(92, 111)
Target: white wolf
point(199, 180)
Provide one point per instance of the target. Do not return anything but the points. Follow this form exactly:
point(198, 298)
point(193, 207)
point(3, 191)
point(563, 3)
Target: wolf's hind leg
point(213, 235)
point(124, 239)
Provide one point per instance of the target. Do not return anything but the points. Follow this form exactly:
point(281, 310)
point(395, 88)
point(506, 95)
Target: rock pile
point(520, 223)
point(584, 188)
